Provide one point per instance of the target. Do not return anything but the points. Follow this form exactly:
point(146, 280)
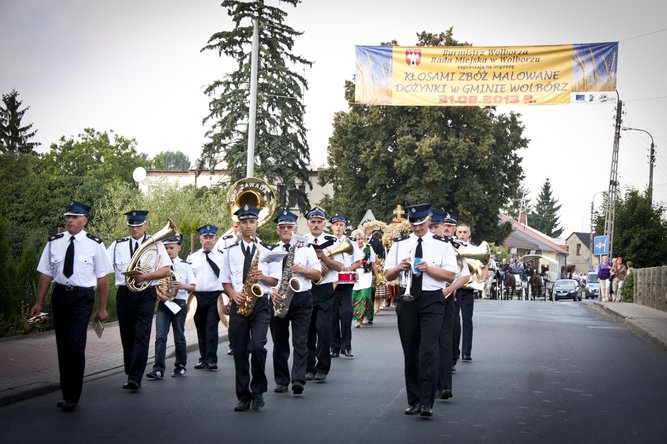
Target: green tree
point(518, 203)
point(15, 138)
point(171, 161)
point(640, 230)
point(545, 218)
point(281, 154)
point(458, 158)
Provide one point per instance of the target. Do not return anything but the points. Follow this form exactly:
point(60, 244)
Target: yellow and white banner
point(485, 76)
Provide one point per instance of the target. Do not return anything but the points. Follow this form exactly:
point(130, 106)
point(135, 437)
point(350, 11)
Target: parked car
point(592, 285)
point(567, 289)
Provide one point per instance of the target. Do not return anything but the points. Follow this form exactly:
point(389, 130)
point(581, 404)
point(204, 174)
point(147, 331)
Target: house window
point(578, 249)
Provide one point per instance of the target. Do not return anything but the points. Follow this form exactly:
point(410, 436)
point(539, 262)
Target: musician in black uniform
point(319, 332)
point(465, 304)
point(341, 313)
point(135, 308)
point(78, 263)
point(207, 264)
point(433, 262)
point(249, 331)
point(443, 224)
point(306, 268)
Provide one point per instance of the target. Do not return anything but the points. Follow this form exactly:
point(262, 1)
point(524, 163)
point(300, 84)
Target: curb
point(634, 324)
point(17, 394)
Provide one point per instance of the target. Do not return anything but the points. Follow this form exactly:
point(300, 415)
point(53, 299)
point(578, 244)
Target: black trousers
point(135, 318)
point(249, 342)
point(206, 321)
point(319, 331)
point(446, 345)
point(341, 318)
point(71, 313)
point(465, 303)
point(419, 325)
point(298, 315)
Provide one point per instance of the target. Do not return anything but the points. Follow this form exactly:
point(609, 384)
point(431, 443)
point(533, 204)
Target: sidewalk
point(645, 321)
point(30, 363)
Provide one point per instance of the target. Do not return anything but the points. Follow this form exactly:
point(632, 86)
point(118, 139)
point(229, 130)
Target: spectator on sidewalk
point(603, 277)
point(619, 271)
point(78, 264)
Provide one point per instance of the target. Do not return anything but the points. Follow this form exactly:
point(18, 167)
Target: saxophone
point(251, 290)
point(288, 284)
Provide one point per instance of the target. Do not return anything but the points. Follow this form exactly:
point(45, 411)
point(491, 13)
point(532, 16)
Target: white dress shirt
point(332, 275)
point(347, 259)
point(184, 275)
point(436, 253)
point(233, 266)
point(90, 259)
point(205, 277)
point(306, 257)
point(120, 254)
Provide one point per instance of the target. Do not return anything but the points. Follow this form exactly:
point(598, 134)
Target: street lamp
point(651, 160)
point(591, 235)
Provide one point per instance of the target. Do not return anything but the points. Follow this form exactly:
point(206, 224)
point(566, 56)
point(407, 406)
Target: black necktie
point(68, 268)
point(247, 262)
point(416, 287)
point(286, 246)
point(213, 265)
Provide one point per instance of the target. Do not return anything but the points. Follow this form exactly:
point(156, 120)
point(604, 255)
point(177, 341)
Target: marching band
point(301, 283)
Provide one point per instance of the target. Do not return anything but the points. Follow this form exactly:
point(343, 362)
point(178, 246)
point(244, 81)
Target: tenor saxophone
point(288, 284)
point(251, 290)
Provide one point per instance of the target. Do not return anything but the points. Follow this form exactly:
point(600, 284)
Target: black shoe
point(445, 394)
point(155, 374)
point(466, 358)
point(335, 354)
point(280, 388)
point(131, 385)
point(319, 377)
point(348, 354)
point(412, 409)
point(310, 376)
point(454, 368)
point(66, 405)
point(202, 365)
point(257, 402)
point(178, 371)
point(297, 388)
point(230, 352)
point(212, 366)
point(242, 406)
point(426, 411)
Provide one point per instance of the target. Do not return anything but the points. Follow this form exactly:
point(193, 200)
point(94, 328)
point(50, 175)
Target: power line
point(644, 35)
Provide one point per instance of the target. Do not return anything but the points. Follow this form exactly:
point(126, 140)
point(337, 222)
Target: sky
point(135, 67)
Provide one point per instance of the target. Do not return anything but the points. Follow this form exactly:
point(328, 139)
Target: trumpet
point(405, 280)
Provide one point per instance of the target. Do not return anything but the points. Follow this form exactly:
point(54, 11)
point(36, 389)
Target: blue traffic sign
point(600, 245)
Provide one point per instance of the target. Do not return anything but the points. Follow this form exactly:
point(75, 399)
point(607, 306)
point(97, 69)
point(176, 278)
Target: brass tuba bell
point(477, 258)
point(345, 247)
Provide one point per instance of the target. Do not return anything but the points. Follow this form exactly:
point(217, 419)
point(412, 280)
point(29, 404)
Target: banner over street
point(486, 76)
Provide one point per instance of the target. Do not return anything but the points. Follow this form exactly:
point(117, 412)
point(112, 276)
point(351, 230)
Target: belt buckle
point(69, 288)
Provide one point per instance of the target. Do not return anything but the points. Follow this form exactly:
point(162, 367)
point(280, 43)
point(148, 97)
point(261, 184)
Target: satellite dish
point(139, 174)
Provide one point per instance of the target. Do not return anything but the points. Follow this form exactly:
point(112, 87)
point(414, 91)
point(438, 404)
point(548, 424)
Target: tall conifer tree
point(15, 138)
point(281, 154)
point(545, 217)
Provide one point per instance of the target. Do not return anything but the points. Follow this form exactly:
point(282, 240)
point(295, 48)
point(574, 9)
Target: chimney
point(523, 218)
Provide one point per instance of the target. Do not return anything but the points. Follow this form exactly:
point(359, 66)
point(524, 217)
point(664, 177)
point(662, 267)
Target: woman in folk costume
point(362, 292)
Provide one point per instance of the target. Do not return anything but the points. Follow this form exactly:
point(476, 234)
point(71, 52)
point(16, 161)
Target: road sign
point(600, 245)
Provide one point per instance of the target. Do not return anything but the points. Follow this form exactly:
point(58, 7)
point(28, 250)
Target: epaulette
point(402, 238)
point(56, 236)
point(329, 237)
point(233, 245)
point(229, 236)
point(186, 262)
point(93, 237)
point(268, 247)
point(442, 238)
point(123, 239)
point(220, 251)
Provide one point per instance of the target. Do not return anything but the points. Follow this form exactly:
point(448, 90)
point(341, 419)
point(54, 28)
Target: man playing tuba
point(135, 303)
point(245, 276)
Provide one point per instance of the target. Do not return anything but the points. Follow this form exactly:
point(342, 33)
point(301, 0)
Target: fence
point(650, 287)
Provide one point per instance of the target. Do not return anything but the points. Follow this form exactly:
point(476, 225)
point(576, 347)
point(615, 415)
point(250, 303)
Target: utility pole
point(613, 181)
point(651, 161)
point(250, 166)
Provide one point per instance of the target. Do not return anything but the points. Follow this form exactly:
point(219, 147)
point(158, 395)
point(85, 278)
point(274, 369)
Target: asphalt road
point(542, 372)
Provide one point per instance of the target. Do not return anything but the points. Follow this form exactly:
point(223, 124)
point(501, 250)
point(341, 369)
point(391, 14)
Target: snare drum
point(347, 277)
